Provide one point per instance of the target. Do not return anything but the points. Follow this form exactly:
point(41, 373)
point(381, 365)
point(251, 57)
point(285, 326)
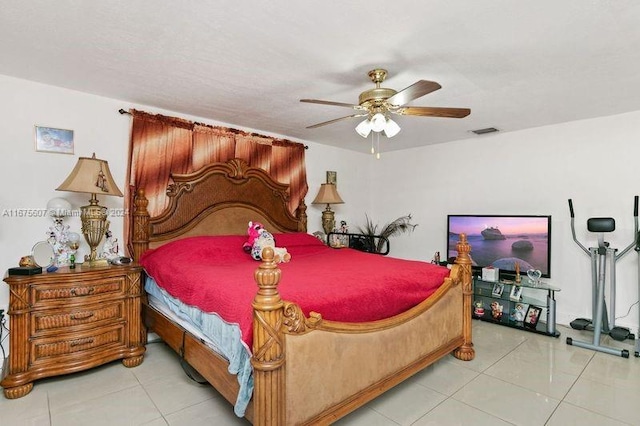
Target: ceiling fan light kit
point(391, 128)
point(378, 103)
point(378, 122)
point(364, 128)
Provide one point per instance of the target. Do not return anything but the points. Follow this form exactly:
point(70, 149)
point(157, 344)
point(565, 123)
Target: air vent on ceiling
point(485, 131)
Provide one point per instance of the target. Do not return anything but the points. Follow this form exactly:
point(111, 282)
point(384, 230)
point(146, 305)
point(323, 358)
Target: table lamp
point(328, 195)
point(92, 176)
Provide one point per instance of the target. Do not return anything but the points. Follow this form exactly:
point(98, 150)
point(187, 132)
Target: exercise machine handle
point(634, 244)
point(573, 230)
point(571, 207)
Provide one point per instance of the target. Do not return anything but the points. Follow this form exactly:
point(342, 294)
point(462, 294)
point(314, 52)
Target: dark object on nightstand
point(25, 270)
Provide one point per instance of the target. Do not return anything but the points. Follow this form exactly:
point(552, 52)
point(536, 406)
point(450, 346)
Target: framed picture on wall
point(50, 139)
point(332, 177)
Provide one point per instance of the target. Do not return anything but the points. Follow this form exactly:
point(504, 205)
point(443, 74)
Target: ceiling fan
point(379, 103)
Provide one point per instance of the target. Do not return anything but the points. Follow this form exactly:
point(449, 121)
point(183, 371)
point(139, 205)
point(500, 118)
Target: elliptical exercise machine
point(600, 257)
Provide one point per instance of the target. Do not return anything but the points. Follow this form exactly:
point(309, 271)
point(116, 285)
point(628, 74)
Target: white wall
point(30, 177)
point(535, 171)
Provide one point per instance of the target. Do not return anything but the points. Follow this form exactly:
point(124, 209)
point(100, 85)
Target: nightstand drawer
point(82, 317)
point(78, 291)
point(76, 345)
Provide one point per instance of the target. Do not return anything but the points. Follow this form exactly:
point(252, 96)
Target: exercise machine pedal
point(620, 334)
point(580, 323)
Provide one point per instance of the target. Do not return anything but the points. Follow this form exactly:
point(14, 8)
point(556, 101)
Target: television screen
point(503, 241)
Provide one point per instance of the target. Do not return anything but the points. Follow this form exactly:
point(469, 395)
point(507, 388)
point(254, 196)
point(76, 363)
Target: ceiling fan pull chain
point(373, 151)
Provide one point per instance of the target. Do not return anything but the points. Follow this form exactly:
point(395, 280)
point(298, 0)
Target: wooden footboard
point(333, 368)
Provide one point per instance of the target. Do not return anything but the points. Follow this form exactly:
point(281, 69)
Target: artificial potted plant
point(376, 240)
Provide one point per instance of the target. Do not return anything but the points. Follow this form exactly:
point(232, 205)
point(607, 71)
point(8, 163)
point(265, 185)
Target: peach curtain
point(212, 145)
point(162, 145)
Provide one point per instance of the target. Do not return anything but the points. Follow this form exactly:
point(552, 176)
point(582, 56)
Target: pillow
point(219, 249)
point(296, 239)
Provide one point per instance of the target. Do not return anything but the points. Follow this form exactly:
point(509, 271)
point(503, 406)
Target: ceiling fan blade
point(341, 104)
point(435, 112)
point(324, 123)
point(417, 89)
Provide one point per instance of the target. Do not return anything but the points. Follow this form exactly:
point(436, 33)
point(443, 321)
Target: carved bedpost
point(466, 351)
point(268, 345)
point(302, 216)
point(140, 219)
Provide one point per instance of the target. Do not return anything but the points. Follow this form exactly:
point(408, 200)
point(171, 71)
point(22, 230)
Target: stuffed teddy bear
point(260, 238)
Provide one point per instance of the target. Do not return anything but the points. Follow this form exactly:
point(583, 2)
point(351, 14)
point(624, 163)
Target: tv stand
point(483, 293)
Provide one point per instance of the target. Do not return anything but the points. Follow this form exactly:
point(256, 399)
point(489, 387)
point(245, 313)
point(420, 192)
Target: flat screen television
point(501, 241)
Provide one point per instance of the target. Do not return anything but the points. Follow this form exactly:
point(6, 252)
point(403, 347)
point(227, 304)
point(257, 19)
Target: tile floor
point(517, 378)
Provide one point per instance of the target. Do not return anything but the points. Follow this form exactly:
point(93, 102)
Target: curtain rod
point(123, 111)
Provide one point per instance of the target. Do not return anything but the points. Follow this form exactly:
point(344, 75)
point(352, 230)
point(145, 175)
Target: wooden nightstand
point(71, 320)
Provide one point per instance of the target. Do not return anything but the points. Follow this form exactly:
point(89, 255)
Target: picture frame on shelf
point(516, 293)
point(53, 140)
point(532, 317)
point(497, 290)
point(519, 312)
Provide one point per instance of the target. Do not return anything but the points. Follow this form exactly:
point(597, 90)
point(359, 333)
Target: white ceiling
point(516, 64)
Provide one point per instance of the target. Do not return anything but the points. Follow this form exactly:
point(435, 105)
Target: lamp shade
point(328, 194)
point(364, 128)
point(92, 176)
point(391, 128)
point(378, 122)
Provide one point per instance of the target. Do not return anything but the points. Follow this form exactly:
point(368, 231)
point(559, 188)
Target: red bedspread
point(216, 275)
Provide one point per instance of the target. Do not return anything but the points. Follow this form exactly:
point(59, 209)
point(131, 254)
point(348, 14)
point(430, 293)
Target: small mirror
point(42, 253)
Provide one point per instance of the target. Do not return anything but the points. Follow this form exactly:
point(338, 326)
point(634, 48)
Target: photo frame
point(532, 317)
point(332, 177)
point(519, 312)
point(516, 293)
point(498, 288)
point(53, 140)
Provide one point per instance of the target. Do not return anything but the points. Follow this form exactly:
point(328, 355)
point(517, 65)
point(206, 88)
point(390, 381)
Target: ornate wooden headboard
point(219, 199)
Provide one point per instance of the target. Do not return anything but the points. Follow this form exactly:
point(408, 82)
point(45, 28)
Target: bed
point(306, 369)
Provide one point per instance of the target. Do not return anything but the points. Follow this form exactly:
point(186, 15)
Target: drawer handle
point(75, 292)
point(82, 316)
point(81, 342)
